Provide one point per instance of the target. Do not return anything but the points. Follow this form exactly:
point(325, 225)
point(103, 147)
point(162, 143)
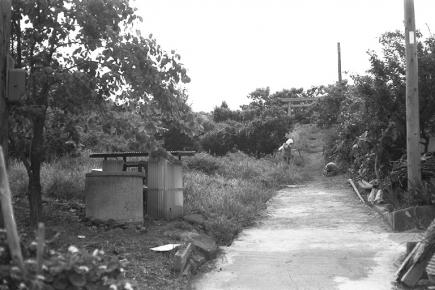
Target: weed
point(63, 178)
point(236, 192)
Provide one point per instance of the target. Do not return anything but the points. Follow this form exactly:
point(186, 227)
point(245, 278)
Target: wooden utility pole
point(5, 21)
point(412, 109)
point(339, 62)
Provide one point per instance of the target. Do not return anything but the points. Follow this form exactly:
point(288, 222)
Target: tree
point(224, 113)
point(372, 118)
point(79, 54)
point(258, 128)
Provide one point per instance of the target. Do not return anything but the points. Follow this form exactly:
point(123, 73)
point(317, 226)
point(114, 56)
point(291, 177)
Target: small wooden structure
point(156, 187)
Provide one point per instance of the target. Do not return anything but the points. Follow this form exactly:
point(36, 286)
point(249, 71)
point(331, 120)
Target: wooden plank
point(356, 190)
point(40, 240)
point(414, 273)
point(405, 263)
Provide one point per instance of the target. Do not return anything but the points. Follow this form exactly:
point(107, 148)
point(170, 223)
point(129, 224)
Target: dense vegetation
point(370, 116)
point(93, 81)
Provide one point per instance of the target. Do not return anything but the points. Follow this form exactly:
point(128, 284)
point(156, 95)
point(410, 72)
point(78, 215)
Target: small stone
point(181, 257)
point(204, 243)
point(198, 259)
point(194, 218)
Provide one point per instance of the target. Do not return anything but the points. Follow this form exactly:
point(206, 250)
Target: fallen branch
point(356, 190)
point(8, 215)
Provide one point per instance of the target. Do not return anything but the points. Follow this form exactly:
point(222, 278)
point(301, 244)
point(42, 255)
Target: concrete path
point(319, 236)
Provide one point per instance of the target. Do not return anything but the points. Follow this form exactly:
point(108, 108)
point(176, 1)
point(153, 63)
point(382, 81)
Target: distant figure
point(287, 148)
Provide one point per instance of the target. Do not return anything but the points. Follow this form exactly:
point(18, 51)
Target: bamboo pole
point(8, 215)
point(356, 190)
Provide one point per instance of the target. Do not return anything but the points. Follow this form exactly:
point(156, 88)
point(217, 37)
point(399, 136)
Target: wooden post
point(289, 109)
point(5, 21)
point(339, 62)
point(412, 109)
point(8, 215)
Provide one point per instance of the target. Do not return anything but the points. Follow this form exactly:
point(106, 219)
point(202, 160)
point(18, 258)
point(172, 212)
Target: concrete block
point(413, 217)
point(384, 211)
point(181, 257)
point(114, 195)
point(203, 243)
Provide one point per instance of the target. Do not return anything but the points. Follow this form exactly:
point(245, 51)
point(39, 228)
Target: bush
point(74, 269)
point(203, 162)
point(18, 178)
point(222, 139)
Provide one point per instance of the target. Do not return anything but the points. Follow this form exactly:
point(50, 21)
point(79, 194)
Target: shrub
point(203, 162)
point(65, 177)
point(222, 139)
point(74, 269)
point(18, 178)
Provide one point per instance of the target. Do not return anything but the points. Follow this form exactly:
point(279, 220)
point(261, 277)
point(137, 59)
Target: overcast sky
point(232, 47)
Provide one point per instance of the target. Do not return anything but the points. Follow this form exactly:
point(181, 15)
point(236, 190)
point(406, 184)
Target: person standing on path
point(287, 148)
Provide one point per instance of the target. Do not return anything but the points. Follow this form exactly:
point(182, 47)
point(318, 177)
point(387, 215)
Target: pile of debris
point(400, 171)
point(418, 268)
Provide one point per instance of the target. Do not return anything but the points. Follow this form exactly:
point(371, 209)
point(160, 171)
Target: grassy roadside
point(231, 190)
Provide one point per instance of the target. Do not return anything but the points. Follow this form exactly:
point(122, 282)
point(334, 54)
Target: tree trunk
point(36, 157)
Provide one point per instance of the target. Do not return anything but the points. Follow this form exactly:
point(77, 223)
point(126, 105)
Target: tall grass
point(62, 178)
point(231, 190)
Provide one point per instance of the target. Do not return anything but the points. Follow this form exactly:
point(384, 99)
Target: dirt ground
point(131, 244)
point(315, 236)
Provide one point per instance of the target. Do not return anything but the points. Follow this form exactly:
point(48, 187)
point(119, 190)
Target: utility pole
point(5, 22)
point(339, 62)
point(412, 109)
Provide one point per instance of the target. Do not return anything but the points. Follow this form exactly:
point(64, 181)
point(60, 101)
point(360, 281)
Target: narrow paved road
point(317, 236)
